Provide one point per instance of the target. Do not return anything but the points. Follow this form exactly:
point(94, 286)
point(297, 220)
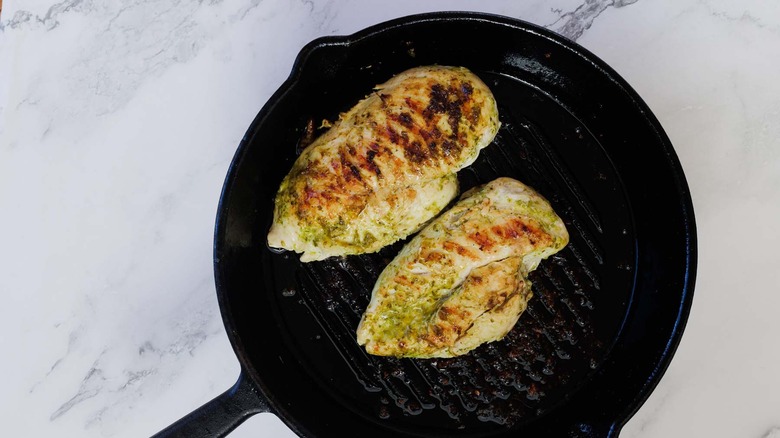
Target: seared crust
point(416, 130)
point(462, 281)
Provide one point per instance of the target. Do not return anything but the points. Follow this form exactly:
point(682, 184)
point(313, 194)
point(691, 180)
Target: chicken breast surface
point(387, 166)
point(463, 280)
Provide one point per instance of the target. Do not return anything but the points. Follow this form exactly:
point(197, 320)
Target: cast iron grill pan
point(580, 295)
point(607, 311)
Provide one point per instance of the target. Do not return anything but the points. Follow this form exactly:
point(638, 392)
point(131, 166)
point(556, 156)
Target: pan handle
point(221, 415)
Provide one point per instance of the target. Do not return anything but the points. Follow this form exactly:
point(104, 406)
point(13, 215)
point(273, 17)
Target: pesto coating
point(463, 280)
point(387, 166)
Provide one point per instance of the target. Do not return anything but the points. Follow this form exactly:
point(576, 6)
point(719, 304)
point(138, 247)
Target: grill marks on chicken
point(387, 166)
point(463, 280)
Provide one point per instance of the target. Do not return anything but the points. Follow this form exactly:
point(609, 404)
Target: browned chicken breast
point(463, 280)
point(387, 166)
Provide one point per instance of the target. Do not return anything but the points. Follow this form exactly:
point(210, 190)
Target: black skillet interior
point(608, 311)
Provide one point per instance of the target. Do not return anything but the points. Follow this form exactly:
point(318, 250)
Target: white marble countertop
point(117, 124)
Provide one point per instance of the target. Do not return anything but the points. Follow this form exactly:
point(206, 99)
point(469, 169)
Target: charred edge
point(405, 119)
point(370, 165)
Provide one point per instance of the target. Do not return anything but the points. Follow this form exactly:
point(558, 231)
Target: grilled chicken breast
point(463, 280)
point(387, 166)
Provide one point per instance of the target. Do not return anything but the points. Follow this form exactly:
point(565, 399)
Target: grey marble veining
point(574, 23)
point(118, 121)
